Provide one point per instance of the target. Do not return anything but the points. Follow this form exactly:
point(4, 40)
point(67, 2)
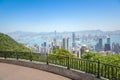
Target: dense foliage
point(62, 52)
point(9, 44)
point(113, 59)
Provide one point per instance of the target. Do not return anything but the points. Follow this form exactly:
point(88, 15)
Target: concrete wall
point(74, 75)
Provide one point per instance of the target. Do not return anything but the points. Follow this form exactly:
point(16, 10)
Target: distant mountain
point(21, 34)
point(90, 32)
point(9, 44)
point(37, 38)
point(18, 34)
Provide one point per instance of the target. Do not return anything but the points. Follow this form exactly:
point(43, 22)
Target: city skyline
point(59, 15)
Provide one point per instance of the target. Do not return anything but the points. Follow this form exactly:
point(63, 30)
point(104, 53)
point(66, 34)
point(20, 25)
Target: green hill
point(9, 44)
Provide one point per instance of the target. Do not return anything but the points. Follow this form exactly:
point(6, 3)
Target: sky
point(59, 15)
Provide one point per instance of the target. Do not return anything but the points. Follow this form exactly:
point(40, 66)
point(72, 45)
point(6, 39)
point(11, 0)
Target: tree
point(62, 52)
point(88, 55)
point(60, 57)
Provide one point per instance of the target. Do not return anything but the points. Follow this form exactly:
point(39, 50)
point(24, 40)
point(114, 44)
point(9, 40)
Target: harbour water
point(39, 41)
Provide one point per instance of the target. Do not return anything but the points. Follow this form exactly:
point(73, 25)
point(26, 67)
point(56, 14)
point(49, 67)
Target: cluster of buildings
point(107, 48)
point(116, 48)
point(65, 43)
point(100, 47)
point(69, 43)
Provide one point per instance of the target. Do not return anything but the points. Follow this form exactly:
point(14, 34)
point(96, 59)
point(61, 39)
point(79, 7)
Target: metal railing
point(99, 69)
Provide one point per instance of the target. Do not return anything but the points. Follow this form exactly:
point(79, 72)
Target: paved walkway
point(14, 72)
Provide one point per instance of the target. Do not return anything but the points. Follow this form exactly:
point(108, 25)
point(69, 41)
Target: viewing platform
point(72, 68)
point(15, 72)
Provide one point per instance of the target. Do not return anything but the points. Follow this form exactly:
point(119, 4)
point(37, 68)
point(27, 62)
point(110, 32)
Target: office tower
point(108, 40)
point(55, 40)
point(52, 44)
point(100, 44)
point(97, 47)
point(73, 39)
point(116, 48)
point(65, 43)
point(107, 47)
point(44, 44)
point(113, 47)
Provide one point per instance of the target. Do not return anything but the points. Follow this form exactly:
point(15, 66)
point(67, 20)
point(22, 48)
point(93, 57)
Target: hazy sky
point(59, 15)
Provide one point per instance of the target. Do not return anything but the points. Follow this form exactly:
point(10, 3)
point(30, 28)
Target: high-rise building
point(116, 48)
point(108, 40)
point(65, 43)
point(107, 47)
point(100, 43)
point(44, 44)
point(55, 40)
point(98, 46)
point(113, 46)
point(73, 39)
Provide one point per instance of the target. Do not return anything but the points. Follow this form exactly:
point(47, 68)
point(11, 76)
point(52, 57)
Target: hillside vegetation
point(9, 44)
point(113, 59)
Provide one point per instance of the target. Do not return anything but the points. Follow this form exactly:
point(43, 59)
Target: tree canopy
point(62, 52)
point(113, 59)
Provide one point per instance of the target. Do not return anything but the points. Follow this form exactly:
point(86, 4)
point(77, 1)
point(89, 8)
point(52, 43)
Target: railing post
point(68, 65)
point(86, 67)
point(47, 60)
point(30, 57)
point(17, 56)
point(98, 73)
point(5, 56)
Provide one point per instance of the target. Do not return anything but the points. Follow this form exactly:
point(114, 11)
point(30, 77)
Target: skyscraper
point(108, 40)
point(55, 41)
point(65, 43)
point(107, 45)
point(100, 44)
point(44, 44)
point(73, 39)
